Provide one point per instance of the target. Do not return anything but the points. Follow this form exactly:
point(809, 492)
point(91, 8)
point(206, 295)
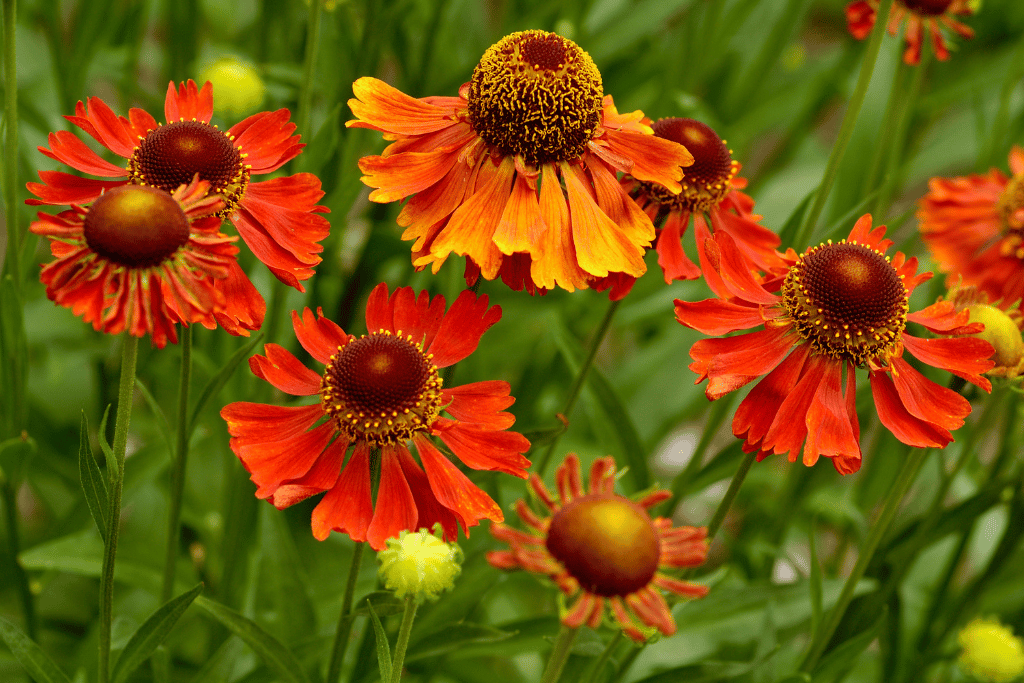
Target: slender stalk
point(899, 84)
point(581, 376)
point(10, 503)
point(398, 660)
point(312, 45)
point(13, 261)
point(346, 618)
point(178, 469)
point(908, 472)
point(730, 495)
point(594, 673)
point(899, 136)
point(719, 410)
point(129, 354)
point(846, 128)
point(559, 654)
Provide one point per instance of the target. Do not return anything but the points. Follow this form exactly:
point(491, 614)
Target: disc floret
point(934, 8)
point(136, 227)
point(381, 388)
point(847, 301)
point(709, 179)
point(536, 95)
point(171, 155)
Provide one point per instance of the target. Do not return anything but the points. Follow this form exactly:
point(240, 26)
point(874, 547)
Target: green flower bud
point(420, 564)
point(991, 652)
point(237, 86)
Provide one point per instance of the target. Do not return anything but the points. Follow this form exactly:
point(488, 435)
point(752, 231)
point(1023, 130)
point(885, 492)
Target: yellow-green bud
point(1001, 332)
point(420, 564)
point(991, 652)
point(237, 86)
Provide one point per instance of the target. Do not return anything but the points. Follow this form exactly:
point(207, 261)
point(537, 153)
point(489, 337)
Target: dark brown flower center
point(709, 179)
point(136, 226)
point(171, 155)
point(536, 95)
point(381, 388)
point(928, 7)
point(1011, 210)
point(606, 542)
point(847, 301)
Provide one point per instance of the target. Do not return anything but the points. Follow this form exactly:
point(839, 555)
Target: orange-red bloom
point(841, 306)
point(377, 393)
point(602, 547)
point(974, 227)
point(278, 219)
point(710, 194)
point(485, 170)
point(140, 259)
point(920, 14)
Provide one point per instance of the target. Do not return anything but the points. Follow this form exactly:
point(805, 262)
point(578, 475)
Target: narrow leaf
point(218, 381)
point(154, 407)
point(383, 649)
point(815, 582)
point(108, 452)
point(36, 663)
point(93, 485)
point(320, 149)
point(269, 648)
point(837, 663)
point(152, 632)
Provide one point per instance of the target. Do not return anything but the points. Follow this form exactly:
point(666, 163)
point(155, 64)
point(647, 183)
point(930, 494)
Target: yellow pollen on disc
point(847, 301)
point(709, 179)
point(1010, 208)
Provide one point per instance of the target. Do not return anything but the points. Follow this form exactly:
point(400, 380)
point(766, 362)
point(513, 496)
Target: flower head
point(420, 564)
point(239, 87)
point(484, 171)
point(842, 306)
point(974, 228)
point(599, 547)
point(1002, 329)
point(710, 194)
point(920, 14)
point(141, 260)
point(279, 218)
point(376, 393)
point(990, 652)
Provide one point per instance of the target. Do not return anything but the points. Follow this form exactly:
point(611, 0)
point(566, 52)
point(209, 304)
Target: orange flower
point(841, 306)
point(710, 194)
point(377, 393)
point(599, 546)
point(860, 18)
point(277, 218)
point(140, 259)
point(485, 170)
point(974, 227)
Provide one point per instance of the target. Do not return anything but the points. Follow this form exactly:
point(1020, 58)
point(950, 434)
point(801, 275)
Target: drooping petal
point(927, 400)
point(67, 148)
point(384, 108)
point(904, 426)
point(429, 508)
point(395, 509)
point(453, 489)
point(255, 423)
point(320, 336)
point(347, 507)
point(461, 328)
point(481, 403)
point(714, 316)
point(757, 412)
point(63, 188)
point(829, 431)
point(285, 371)
point(485, 449)
point(322, 476)
point(965, 357)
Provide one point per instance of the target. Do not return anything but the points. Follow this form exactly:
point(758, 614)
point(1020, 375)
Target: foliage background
point(769, 76)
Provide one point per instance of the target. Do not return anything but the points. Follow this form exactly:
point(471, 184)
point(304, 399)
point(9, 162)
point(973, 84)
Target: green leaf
point(788, 230)
point(113, 471)
point(218, 381)
point(383, 649)
point(36, 663)
point(161, 419)
point(286, 574)
point(320, 149)
point(93, 485)
point(152, 632)
point(384, 604)
point(455, 637)
point(269, 648)
point(814, 585)
point(833, 666)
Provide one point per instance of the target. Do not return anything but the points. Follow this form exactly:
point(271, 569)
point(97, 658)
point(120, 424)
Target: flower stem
point(129, 354)
point(312, 45)
point(559, 654)
point(593, 674)
point(908, 472)
point(9, 493)
point(346, 618)
point(13, 261)
point(581, 376)
point(178, 471)
point(846, 128)
point(403, 638)
point(730, 495)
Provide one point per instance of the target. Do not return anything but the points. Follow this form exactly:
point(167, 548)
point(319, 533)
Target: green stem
point(559, 654)
point(899, 84)
point(346, 618)
point(908, 472)
point(129, 354)
point(593, 674)
point(898, 140)
point(312, 45)
point(730, 495)
point(581, 377)
point(846, 128)
point(178, 471)
point(13, 260)
point(719, 411)
point(17, 572)
point(398, 661)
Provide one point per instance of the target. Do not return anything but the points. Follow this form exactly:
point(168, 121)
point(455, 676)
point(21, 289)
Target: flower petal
point(894, 415)
point(484, 449)
point(453, 489)
point(481, 403)
point(395, 510)
point(461, 328)
point(284, 371)
point(257, 423)
point(965, 357)
point(319, 336)
point(347, 507)
point(927, 400)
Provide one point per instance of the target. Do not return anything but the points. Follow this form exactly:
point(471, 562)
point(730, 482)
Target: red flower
point(974, 227)
point(277, 218)
point(377, 393)
point(140, 259)
point(599, 546)
point(842, 306)
point(485, 170)
point(860, 18)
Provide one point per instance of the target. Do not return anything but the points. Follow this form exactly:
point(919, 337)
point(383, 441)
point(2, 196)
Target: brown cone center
point(928, 7)
point(382, 388)
point(606, 542)
point(847, 300)
point(707, 181)
point(170, 156)
point(136, 226)
point(536, 95)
